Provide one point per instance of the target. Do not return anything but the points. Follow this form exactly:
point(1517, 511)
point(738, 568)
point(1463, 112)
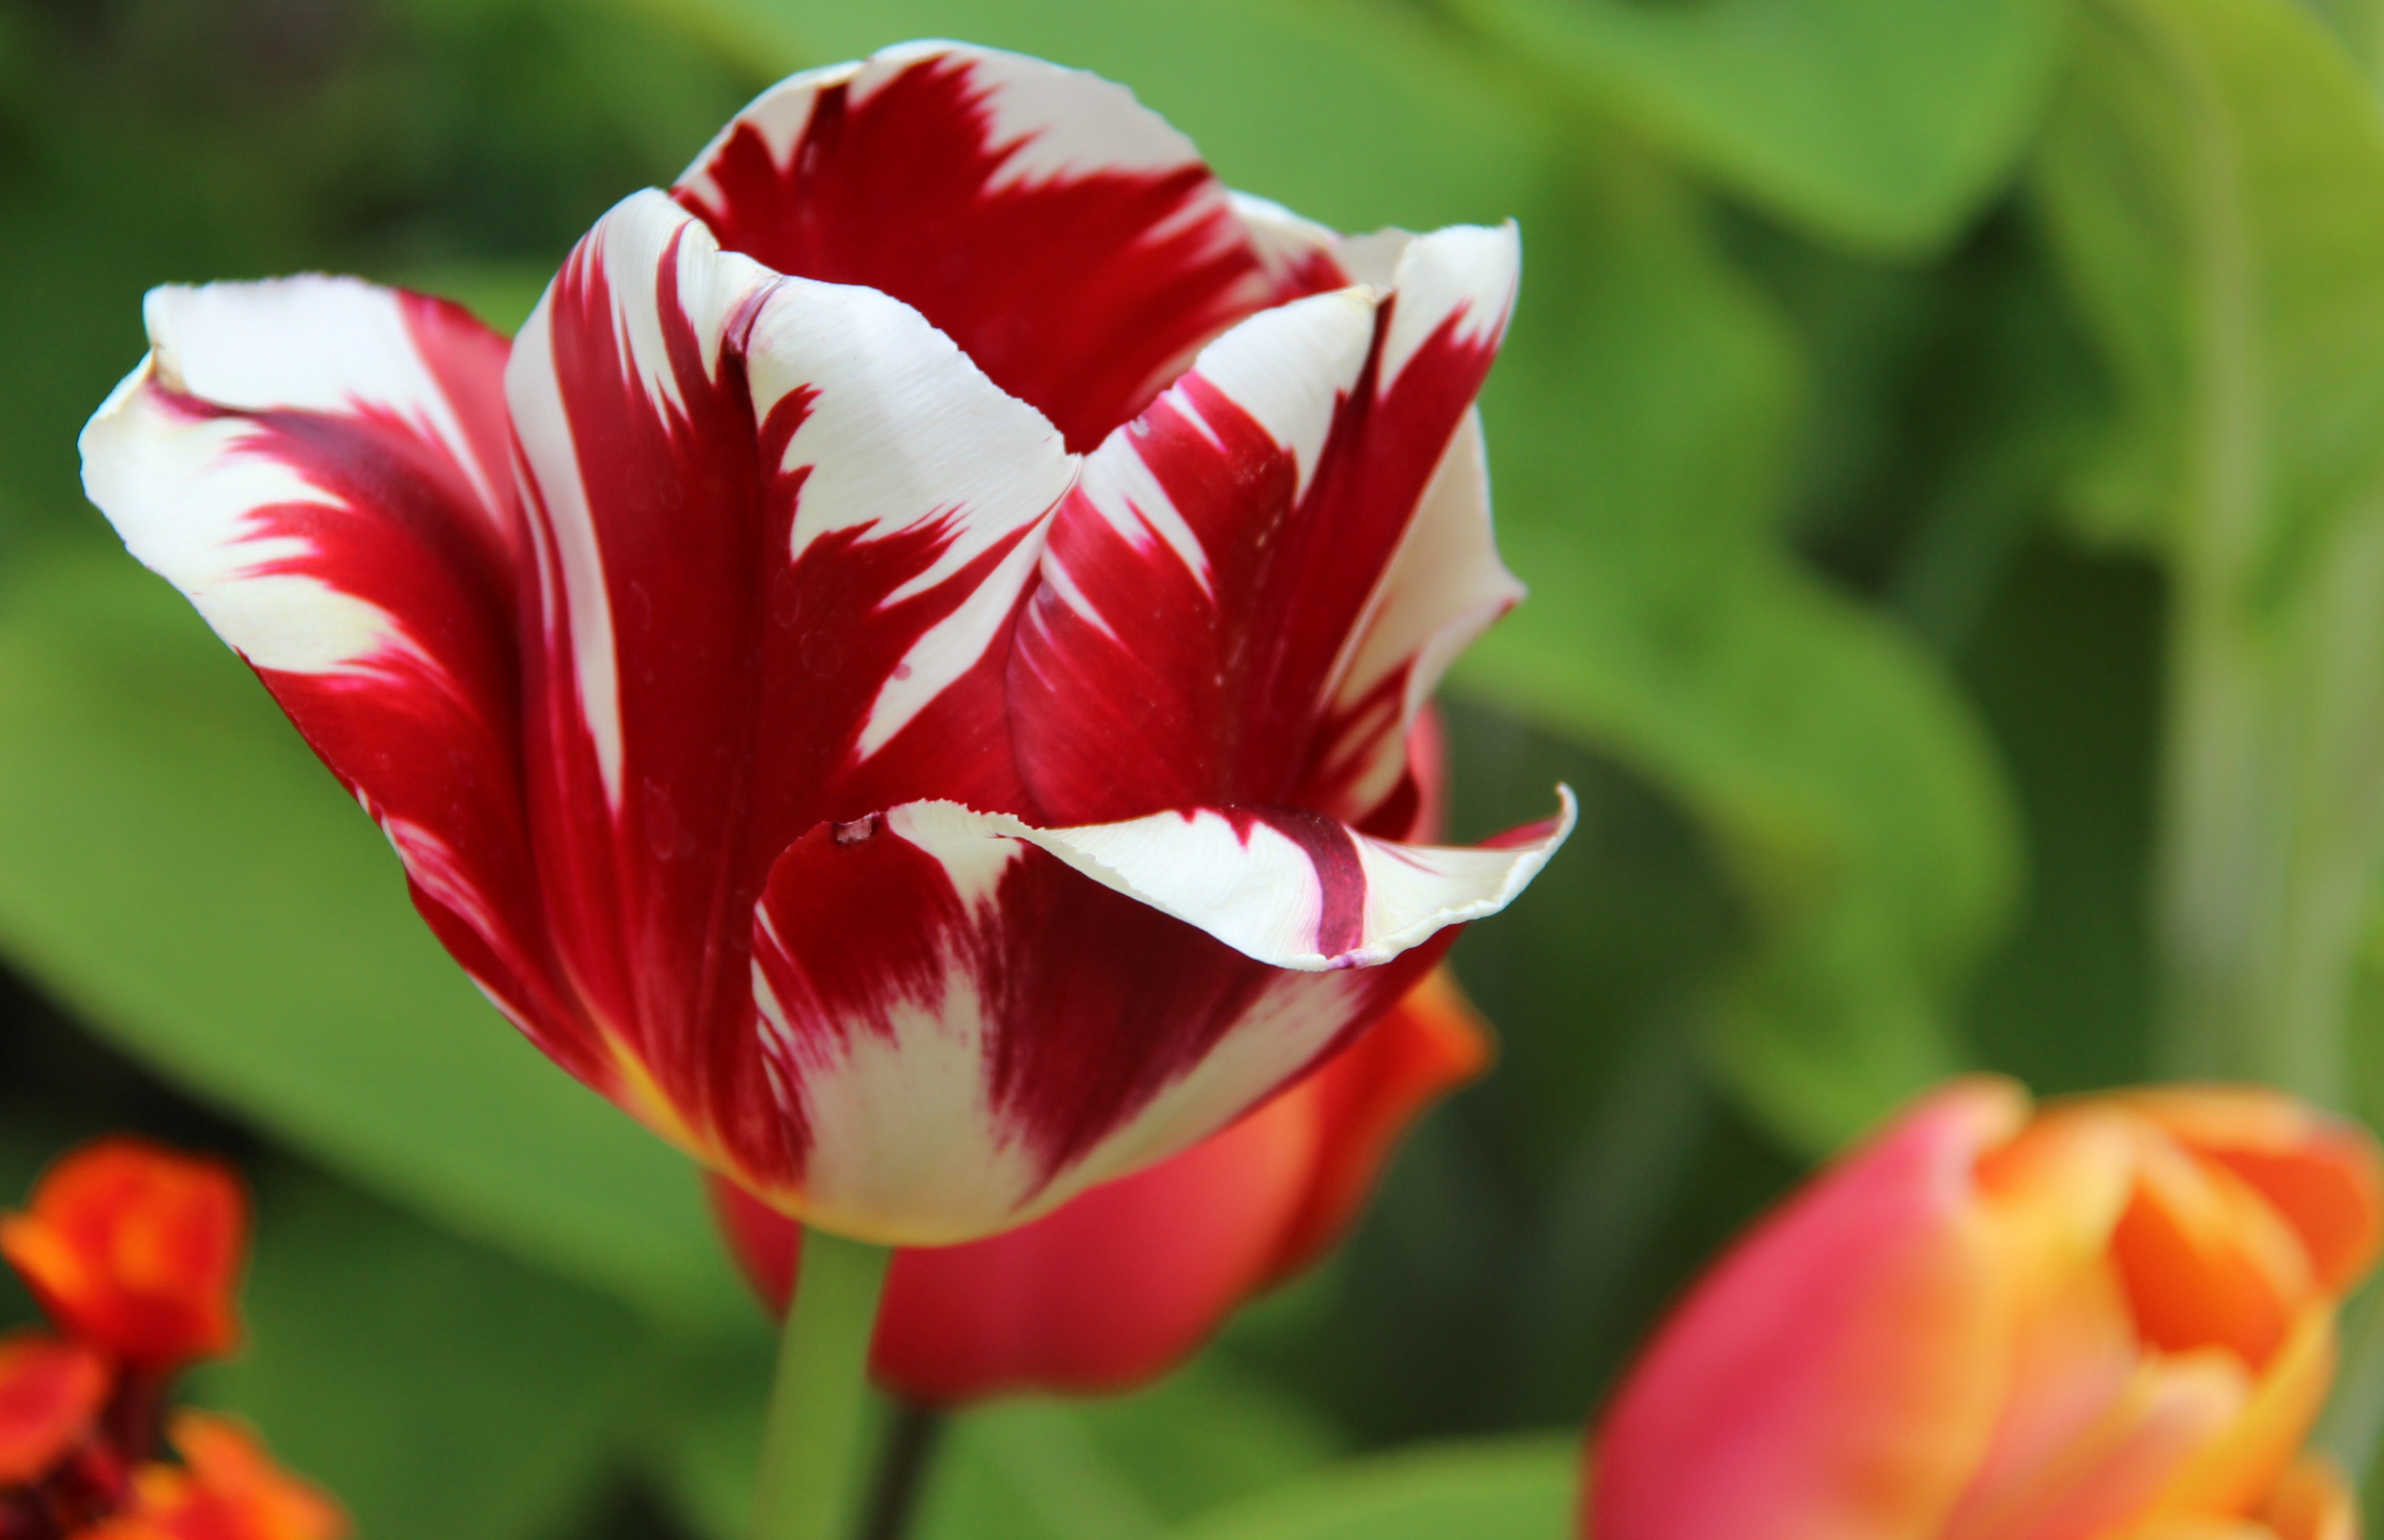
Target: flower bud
point(2115, 1318)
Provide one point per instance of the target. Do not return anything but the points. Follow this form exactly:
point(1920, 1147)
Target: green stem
point(812, 1466)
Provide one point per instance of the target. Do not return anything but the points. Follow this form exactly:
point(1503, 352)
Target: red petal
point(1110, 1291)
point(1070, 242)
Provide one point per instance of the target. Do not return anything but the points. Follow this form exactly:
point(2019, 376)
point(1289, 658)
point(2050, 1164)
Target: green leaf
point(1638, 427)
point(1878, 123)
point(1354, 114)
point(441, 1391)
point(1508, 1489)
point(2214, 177)
point(176, 867)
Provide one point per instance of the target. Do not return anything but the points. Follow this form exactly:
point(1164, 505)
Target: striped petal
point(1255, 585)
point(781, 530)
point(945, 991)
point(1123, 1282)
point(322, 468)
point(1063, 234)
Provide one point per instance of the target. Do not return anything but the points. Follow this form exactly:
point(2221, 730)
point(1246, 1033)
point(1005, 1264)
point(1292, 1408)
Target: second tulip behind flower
point(2113, 1318)
point(1129, 1279)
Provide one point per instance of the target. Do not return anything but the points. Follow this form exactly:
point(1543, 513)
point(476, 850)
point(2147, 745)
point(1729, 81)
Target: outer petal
point(782, 530)
point(1837, 1375)
point(1256, 582)
point(50, 1395)
point(1123, 1282)
point(322, 466)
point(1290, 244)
point(136, 1250)
point(1064, 235)
point(1031, 998)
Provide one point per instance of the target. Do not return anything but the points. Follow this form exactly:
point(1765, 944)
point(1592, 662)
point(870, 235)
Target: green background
point(1945, 443)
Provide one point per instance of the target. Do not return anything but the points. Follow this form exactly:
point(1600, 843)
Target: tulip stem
point(820, 1410)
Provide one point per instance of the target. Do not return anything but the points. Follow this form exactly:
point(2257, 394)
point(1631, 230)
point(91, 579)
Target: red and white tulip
point(900, 675)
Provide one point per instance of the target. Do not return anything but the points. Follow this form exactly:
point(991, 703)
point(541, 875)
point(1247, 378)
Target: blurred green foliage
point(1943, 442)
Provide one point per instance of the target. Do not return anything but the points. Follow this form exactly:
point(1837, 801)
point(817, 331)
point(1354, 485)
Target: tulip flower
point(134, 1251)
point(899, 674)
point(2113, 1321)
point(1126, 1281)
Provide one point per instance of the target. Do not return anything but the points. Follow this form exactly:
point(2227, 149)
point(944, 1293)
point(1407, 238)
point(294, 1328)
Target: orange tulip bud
point(135, 1250)
point(2113, 1318)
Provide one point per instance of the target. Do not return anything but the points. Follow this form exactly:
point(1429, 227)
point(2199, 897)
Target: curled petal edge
point(1282, 886)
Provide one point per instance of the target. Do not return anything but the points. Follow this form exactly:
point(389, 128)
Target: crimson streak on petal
point(322, 466)
point(1340, 872)
point(781, 647)
point(1072, 244)
point(1042, 1029)
point(1213, 576)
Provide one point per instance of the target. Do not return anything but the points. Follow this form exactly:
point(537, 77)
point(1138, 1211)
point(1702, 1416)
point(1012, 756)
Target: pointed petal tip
point(1530, 847)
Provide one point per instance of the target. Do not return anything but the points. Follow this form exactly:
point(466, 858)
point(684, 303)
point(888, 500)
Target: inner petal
point(1074, 246)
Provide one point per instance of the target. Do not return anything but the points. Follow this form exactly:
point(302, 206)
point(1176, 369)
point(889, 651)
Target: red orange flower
point(1126, 1281)
point(227, 1488)
point(2113, 1320)
point(135, 1252)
